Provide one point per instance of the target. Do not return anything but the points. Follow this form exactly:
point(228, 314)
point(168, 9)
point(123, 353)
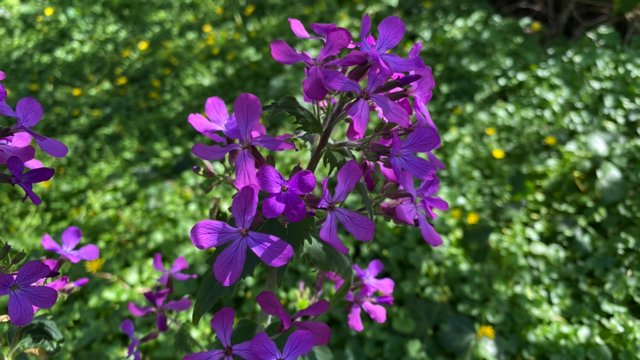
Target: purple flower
point(222, 324)
point(423, 139)
point(320, 29)
point(371, 284)
point(359, 111)
point(23, 296)
point(219, 120)
point(18, 146)
point(285, 195)
point(336, 40)
point(62, 285)
point(127, 327)
point(391, 31)
point(159, 307)
point(26, 180)
point(211, 233)
point(320, 331)
point(2, 75)
point(298, 344)
point(70, 239)
point(247, 111)
point(377, 312)
point(28, 113)
point(174, 273)
point(360, 226)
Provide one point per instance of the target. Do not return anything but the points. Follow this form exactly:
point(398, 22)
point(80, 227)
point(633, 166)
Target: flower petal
point(348, 176)
point(364, 31)
point(313, 85)
point(285, 54)
point(244, 207)
point(222, 324)
point(71, 237)
point(5, 110)
point(214, 152)
point(377, 312)
point(270, 179)
point(127, 327)
point(157, 263)
point(29, 112)
point(392, 111)
point(359, 113)
point(264, 348)
point(37, 175)
point(20, 309)
point(229, 264)
point(139, 311)
point(52, 147)
point(245, 170)
point(247, 110)
point(354, 320)
point(428, 232)
point(270, 249)
point(272, 143)
point(178, 265)
point(270, 304)
point(295, 209)
point(419, 168)
point(178, 305)
point(320, 331)
point(212, 233)
point(391, 32)
point(272, 207)
point(375, 267)
point(336, 81)
point(422, 139)
point(5, 283)
point(50, 245)
point(15, 166)
point(316, 309)
point(360, 226)
point(31, 272)
point(298, 344)
point(298, 29)
point(329, 233)
point(209, 355)
point(337, 39)
point(385, 285)
point(303, 182)
point(88, 252)
point(217, 113)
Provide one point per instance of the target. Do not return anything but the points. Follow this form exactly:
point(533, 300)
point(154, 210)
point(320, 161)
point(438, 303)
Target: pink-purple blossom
point(421, 140)
point(212, 233)
point(370, 305)
point(284, 196)
point(298, 344)
point(18, 145)
point(157, 299)
point(175, 270)
point(360, 226)
point(320, 331)
point(369, 281)
point(222, 324)
point(70, 239)
point(23, 295)
point(26, 180)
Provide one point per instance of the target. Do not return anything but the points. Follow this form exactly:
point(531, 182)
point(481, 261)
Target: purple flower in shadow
point(285, 195)
point(26, 180)
point(370, 283)
point(421, 140)
point(360, 226)
point(70, 239)
point(18, 146)
point(222, 324)
point(211, 233)
point(158, 300)
point(127, 327)
point(173, 273)
point(23, 296)
point(320, 331)
point(298, 344)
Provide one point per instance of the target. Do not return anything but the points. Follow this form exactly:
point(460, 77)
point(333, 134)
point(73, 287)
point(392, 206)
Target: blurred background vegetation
point(540, 138)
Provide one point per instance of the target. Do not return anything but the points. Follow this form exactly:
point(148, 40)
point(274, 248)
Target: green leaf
point(182, 340)
point(319, 353)
point(40, 333)
point(243, 331)
point(327, 258)
point(361, 187)
point(305, 118)
point(611, 184)
point(458, 334)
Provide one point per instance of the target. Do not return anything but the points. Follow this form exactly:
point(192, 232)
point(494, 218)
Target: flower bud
point(388, 86)
point(271, 160)
point(4, 251)
point(16, 259)
point(395, 96)
point(359, 72)
point(372, 156)
point(296, 169)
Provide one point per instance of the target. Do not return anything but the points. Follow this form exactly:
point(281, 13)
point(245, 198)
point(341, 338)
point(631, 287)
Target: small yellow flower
point(38, 18)
point(117, 71)
point(12, 229)
point(166, 71)
point(215, 51)
point(550, 140)
point(252, 34)
point(231, 55)
point(76, 91)
point(155, 83)
point(211, 39)
point(456, 213)
point(94, 266)
point(75, 113)
point(154, 94)
point(236, 36)
point(121, 80)
point(46, 184)
point(90, 78)
point(34, 87)
point(249, 10)
point(60, 170)
point(473, 218)
point(143, 45)
point(457, 110)
point(125, 53)
point(96, 112)
point(48, 11)
point(308, 10)
point(497, 153)
point(92, 213)
point(207, 28)
point(536, 26)
point(490, 131)
point(427, 4)
point(57, 110)
point(219, 10)
point(488, 331)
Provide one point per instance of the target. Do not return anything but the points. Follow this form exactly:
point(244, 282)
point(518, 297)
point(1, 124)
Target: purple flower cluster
point(15, 149)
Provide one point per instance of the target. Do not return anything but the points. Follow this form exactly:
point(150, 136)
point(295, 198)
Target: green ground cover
point(540, 142)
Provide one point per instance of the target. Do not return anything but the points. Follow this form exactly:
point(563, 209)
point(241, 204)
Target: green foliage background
point(551, 264)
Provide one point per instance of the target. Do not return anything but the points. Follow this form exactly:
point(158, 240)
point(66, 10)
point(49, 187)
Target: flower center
point(244, 232)
point(284, 189)
point(14, 287)
point(228, 351)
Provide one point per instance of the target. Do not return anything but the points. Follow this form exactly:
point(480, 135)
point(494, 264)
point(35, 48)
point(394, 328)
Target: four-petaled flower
point(222, 324)
point(26, 180)
point(422, 139)
point(247, 112)
point(158, 299)
point(211, 233)
point(298, 344)
point(70, 238)
point(370, 283)
point(127, 327)
point(23, 296)
point(320, 331)
point(174, 273)
point(360, 226)
point(362, 301)
point(285, 195)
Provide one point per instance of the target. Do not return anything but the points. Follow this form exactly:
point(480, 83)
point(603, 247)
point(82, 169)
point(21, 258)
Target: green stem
point(14, 342)
point(326, 135)
point(271, 286)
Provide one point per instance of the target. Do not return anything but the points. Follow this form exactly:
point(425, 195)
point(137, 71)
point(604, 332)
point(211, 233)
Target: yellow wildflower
point(154, 94)
point(94, 266)
point(57, 110)
point(456, 213)
point(236, 36)
point(96, 112)
point(427, 4)
point(211, 39)
point(90, 78)
point(75, 113)
point(207, 28)
point(46, 184)
point(497, 153)
point(12, 229)
point(473, 218)
point(166, 71)
point(457, 110)
point(215, 51)
point(76, 91)
point(249, 10)
point(125, 53)
point(155, 83)
point(34, 87)
point(48, 11)
point(92, 213)
point(536, 26)
point(219, 10)
point(121, 80)
point(550, 140)
point(488, 331)
point(38, 18)
point(143, 45)
point(60, 170)
point(490, 131)
point(308, 10)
